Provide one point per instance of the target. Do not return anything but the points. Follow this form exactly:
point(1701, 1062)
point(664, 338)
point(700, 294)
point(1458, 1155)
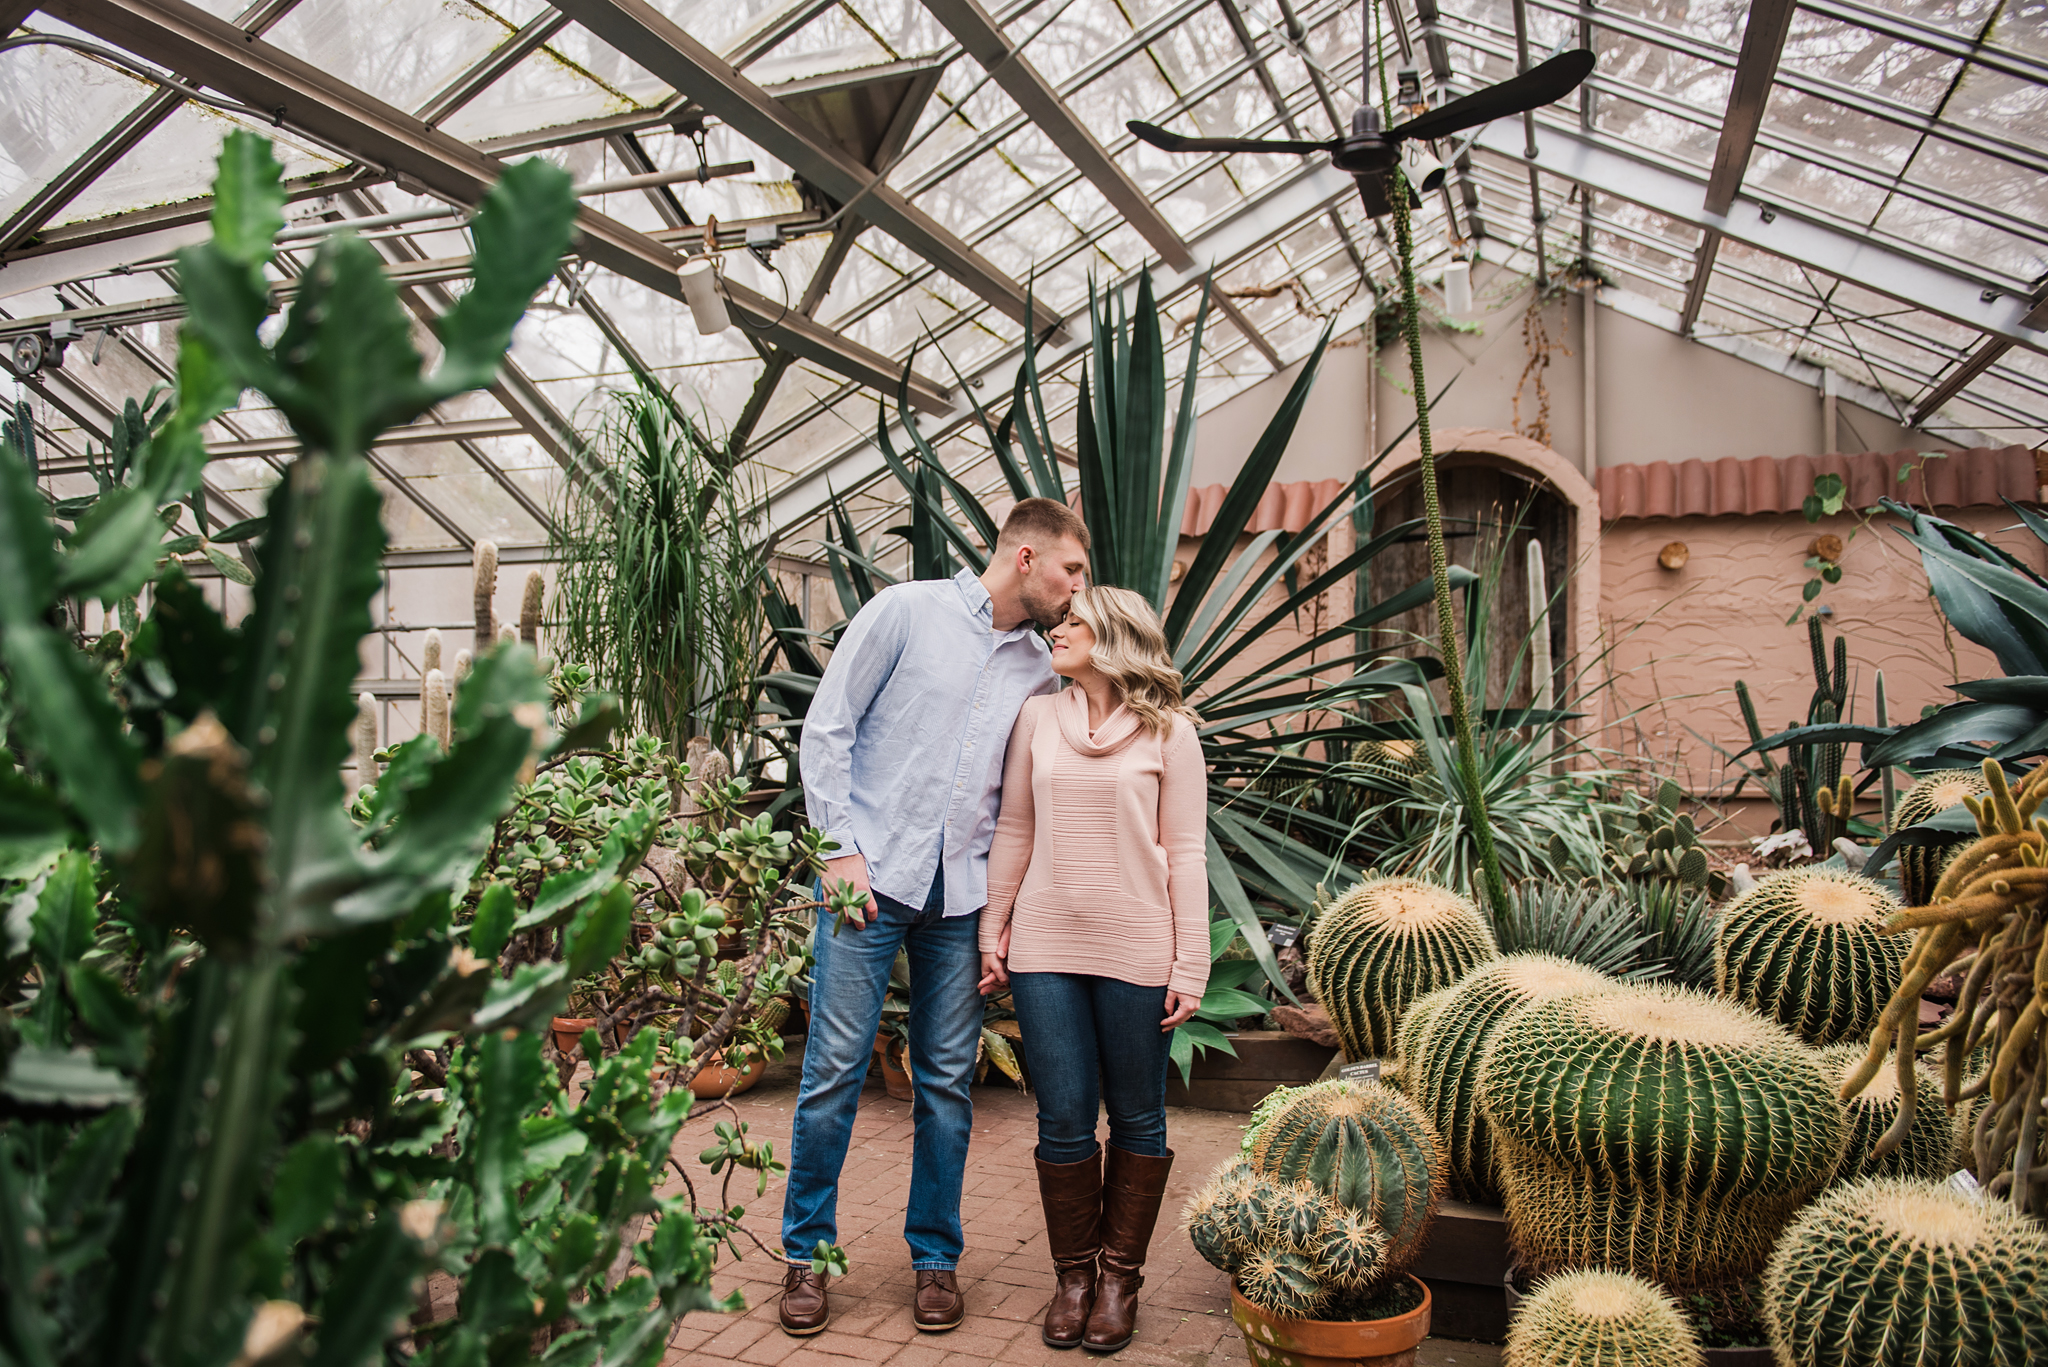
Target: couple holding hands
point(1007, 834)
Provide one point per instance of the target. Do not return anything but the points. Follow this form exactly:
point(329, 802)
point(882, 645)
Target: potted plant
point(1318, 1222)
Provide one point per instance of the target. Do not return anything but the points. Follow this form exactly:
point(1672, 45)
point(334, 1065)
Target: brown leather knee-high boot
point(1132, 1188)
point(1072, 1196)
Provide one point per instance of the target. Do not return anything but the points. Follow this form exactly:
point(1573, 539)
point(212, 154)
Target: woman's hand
point(994, 974)
point(1180, 1007)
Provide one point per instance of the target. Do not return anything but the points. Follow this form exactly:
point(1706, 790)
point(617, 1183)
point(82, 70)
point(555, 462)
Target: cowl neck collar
point(1118, 730)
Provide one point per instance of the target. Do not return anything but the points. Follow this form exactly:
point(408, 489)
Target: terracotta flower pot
point(715, 1079)
point(568, 1031)
point(1275, 1342)
point(895, 1081)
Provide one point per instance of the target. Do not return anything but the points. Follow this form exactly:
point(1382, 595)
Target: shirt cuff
point(847, 844)
point(1188, 982)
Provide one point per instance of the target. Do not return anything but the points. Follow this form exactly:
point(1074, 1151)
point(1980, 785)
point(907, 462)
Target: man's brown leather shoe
point(939, 1306)
point(806, 1308)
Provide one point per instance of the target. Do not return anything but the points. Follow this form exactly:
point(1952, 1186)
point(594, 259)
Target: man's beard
point(1047, 611)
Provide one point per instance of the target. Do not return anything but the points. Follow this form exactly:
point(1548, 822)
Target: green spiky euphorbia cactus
point(1889, 1272)
point(1444, 1036)
point(1580, 1319)
point(1930, 1147)
point(1806, 947)
point(1655, 1130)
point(1382, 945)
point(1366, 1147)
point(1920, 866)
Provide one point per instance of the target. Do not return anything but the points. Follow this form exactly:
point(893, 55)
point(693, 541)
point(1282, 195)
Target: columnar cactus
point(1444, 1036)
point(1930, 1147)
point(434, 708)
point(1382, 945)
point(1920, 866)
point(364, 735)
point(1655, 1130)
point(1366, 1147)
point(529, 608)
point(1599, 1319)
point(484, 590)
point(1806, 947)
point(1891, 1271)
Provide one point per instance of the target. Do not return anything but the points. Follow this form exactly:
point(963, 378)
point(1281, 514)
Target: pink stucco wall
point(1680, 638)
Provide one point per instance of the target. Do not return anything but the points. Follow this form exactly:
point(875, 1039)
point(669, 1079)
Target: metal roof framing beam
point(1763, 41)
point(638, 30)
point(1680, 195)
point(1256, 223)
point(984, 39)
point(215, 53)
point(1979, 361)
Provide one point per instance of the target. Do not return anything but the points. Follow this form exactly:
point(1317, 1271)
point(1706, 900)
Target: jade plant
point(1444, 1036)
point(1654, 1130)
point(211, 1148)
point(1889, 1272)
point(1382, 945)
point(1579, 1318)
point(1330, 1207)
point(1920, 864)
point(1808, 947)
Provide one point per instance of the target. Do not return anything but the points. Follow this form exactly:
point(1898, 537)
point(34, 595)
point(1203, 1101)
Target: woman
point(1098, 911)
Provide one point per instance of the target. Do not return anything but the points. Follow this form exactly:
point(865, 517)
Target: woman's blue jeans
point(1092, 1043)
point(848, 981)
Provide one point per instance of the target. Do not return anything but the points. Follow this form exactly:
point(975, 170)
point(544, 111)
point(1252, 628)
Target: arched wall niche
point(1557, 482)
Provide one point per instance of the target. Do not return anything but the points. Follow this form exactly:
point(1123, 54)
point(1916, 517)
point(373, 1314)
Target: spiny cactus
point(1366, 1147)
point(1929, 1149)
point(364, 734)
point(529, 608)
point(1385, 943)
point(1665, 845)
point(1443, 1038)
point(1599, 1319)
point(484, 589)
point(1208, 1216)
point(434, 708)
point(464, 662)
point(1282, 1282)
point(1350, 1249)
point(1655, 1130)
point(1806, 947)
point(1891, 1271)
point(1920, 866)
point(1297, 1216)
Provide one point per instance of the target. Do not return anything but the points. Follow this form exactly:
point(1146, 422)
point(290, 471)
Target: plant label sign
point(1282, 936)
point(1367, 1070)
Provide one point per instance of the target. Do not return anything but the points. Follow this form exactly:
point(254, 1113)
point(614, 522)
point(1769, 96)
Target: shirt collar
point(980, 606)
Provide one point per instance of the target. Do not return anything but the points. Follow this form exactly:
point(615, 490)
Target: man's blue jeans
point(848, 981)
point(1079, 1028)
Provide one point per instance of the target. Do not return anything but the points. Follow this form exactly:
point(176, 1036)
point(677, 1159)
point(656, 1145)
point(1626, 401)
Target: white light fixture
point(1458, 288)
point(1424, 171)
point(700, 291)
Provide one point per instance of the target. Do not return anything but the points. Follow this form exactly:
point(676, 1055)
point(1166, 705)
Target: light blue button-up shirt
point(902, 752)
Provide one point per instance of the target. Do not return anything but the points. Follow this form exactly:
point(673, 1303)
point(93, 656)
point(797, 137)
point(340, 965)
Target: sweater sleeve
point(1009, 853)
point(1184, 834)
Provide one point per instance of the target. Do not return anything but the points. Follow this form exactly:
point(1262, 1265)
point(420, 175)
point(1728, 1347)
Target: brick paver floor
point(1006, 1274)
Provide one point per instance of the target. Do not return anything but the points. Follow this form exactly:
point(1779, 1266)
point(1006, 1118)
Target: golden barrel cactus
point(1382, 945)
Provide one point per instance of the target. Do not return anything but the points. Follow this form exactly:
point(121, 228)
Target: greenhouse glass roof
point(1858, 186)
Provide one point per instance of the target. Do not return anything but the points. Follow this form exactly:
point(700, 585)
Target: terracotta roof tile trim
point(1778, 484)
point(1287, 506)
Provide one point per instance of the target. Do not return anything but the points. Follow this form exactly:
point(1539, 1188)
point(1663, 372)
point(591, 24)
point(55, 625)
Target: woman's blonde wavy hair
point(1130, 651)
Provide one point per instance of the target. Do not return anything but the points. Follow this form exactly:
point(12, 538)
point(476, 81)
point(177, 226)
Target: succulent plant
point(1654, 1130)
point(364, 736)
point(1664, 845)
point(1929, 1150)
point(1443, 1038)
point(1284, 1282)
point(1350, 1250)
point(1920, 866)
point(1807, 948)
point(530, 608)
point(1366, 1147)
point(1892, 1271)
point(1382, 945)
point(483, 562)
point(1580, 1319)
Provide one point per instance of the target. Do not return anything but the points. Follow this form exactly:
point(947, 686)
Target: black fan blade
point(1544, 83)
point(1174, 142)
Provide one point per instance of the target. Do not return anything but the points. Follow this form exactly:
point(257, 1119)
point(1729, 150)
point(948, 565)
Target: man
point(902, 761)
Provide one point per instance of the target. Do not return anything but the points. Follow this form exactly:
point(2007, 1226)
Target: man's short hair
point(1041, 521)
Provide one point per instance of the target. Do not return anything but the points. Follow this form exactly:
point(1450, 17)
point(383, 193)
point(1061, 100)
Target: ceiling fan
point(1370, 151)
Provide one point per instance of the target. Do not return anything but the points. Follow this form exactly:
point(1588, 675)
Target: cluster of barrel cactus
point(1445, 1035)
point(1382, 945)
point(1930, 1147)
point(1655, 1130)
point(1334, 1199)
point(1600, 1319)
point(1920, 866)
point(1888, 1272)
point(1807, 947)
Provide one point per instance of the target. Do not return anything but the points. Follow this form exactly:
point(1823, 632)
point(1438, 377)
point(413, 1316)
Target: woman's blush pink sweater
point(1100, 860)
